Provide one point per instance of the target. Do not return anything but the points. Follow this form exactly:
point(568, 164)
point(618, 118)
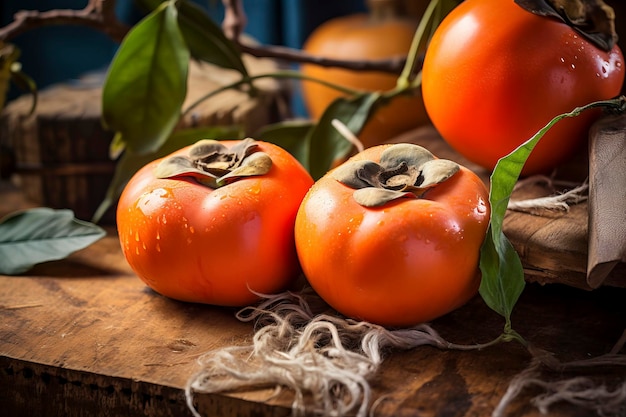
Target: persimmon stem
point(276, 75)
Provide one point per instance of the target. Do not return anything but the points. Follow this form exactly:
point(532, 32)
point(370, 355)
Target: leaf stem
point(286, 74)
point(404, 80)
point(478, 346)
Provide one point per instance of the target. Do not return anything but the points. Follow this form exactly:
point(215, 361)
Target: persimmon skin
point(192, 243)
point(494, 74)
point(360, 37)
point(401, 264)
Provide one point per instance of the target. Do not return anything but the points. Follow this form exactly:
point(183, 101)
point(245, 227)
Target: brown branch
point(391, 65)
point(98, 15)
point(235, 21)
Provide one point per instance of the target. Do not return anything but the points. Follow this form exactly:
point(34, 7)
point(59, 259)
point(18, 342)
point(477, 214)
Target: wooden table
point(85, 337)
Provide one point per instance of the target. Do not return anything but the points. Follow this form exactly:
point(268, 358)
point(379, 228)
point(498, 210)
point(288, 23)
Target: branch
point(235, 19)
point(98, 15)
point(391, 65)
point(234, 24)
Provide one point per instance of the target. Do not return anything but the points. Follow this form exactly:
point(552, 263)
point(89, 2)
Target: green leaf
point(325, 144)
point(147, 82)
point(289, 135)
point(205, 39)
point(502, 271)
point(318, 146)
point(41, 234)
point(130, 162)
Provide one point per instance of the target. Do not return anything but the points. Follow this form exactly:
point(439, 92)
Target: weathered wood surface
point(607, 201)
point(85, 337)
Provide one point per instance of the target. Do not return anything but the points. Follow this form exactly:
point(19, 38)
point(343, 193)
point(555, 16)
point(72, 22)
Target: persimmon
point(393, 235)
point(213, 223)
point(385, 32)
point(495, 73)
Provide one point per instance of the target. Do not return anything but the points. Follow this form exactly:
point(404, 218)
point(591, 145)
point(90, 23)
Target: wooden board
point(85, 337)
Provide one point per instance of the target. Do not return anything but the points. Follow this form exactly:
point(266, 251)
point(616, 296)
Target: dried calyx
point(214, 165)
point(593, 19)
point(404, 171)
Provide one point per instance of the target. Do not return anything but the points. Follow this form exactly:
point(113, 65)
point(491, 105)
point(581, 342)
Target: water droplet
point(562, 60)
point(137, 236)
point(191, 230)
point(573, 66)
point(158, 247)
point(481, 207)
point(158, 236)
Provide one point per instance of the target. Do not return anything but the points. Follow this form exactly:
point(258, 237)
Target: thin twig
point(392, 65)
point(235, 19)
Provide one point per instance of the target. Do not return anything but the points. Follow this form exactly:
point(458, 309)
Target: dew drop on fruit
point(481, 207)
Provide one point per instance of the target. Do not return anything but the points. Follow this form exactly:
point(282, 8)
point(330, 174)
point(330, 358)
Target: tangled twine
point(323, 358)
point(559, 201)
point(580, 391)
point(327, 362)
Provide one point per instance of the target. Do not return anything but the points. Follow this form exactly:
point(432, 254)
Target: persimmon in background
point(386, 31)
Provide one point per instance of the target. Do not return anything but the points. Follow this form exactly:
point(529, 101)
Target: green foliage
point(11, 71)
point(290, 136)
point(147, 82)
point(318, 145)
point(41, 234)
point(502, 272)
